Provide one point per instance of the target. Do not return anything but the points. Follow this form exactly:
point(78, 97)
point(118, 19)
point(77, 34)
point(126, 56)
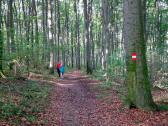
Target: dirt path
point(72, 103)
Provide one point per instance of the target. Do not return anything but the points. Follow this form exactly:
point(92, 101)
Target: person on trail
point(58, 68)
point(62, 69)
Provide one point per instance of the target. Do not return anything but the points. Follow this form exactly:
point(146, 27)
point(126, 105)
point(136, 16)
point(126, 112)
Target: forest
point(115, 54)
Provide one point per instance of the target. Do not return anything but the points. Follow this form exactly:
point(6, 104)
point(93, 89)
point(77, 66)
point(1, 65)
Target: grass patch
point(22, 99)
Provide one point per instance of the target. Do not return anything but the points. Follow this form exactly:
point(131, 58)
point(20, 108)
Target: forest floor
point(78, 100)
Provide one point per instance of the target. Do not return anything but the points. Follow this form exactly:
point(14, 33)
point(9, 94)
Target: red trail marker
point(134, 56)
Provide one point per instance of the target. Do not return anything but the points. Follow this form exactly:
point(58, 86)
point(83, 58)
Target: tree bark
point(34, 11)
point(105, 36)
point(1, 37)
point(72, 48)
point(87, 16)
point(44, 31)
point(139, 90)
point(76, 8)
point(67, 31)
point(10, 28)
point(58, 24)
point(50, 37)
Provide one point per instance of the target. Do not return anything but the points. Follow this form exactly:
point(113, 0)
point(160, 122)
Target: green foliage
point(106, 85)
point(116, 63)
point(31, 118)
point(98, 74)
point(9, 110)
point(32, 99)
point(34, 95)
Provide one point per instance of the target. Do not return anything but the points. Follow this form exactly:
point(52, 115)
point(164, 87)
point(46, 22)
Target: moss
point(131, 86)
point(139, 93)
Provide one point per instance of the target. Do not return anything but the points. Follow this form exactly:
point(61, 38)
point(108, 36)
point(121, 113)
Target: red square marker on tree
point(134, 56)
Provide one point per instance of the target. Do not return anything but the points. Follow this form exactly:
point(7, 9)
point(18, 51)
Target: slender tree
point(105, 36)
point(44, 31)
point(67, 13)
point(87, 16)
point(76, 9)
point(50, 38)
point(58, 27)
point(1, 37)
point(34, 11)
point(10, 27)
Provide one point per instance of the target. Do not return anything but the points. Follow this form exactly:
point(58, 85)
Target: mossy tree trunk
point(139, 90)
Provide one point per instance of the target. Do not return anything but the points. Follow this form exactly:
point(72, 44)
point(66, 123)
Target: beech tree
point(139, 88)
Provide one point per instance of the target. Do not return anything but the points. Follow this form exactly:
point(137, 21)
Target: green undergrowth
point(163, 107)
point(45, 72)
point(103, 91)
point(98, 75)
point(106, 87)
point(22, 101)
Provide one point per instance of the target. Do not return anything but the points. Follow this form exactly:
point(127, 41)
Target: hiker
point(58, 68)
point(62, 69)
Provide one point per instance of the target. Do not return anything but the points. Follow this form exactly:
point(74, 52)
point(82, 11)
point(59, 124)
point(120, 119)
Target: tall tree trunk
point(55, 31)
point(139, 92)
point(72, 47)
point(50, 38)
point(34, 11)
point(67, 30)
point(47, 30)
point(44, 31)
point(76, 8)
point(84, 49)
point(1, 37)
point(93, 46)
point(10, 27)
point(87, 14)
point(105, 36)
point(58, 24)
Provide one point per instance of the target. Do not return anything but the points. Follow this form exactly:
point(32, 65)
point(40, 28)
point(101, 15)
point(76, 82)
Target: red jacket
point(58, 66)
